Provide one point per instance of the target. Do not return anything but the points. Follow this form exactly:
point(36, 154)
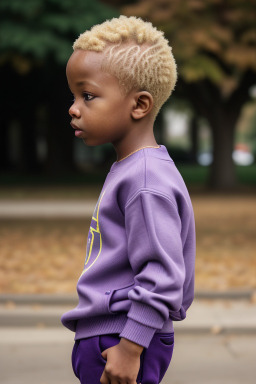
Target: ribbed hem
point(145, 314)
point(128, 328)
point(142, 333)
point(100, 325)
point(138, 333)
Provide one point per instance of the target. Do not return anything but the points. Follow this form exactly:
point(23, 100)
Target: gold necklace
point(148, 146)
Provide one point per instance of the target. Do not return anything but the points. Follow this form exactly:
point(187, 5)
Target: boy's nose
point(74, 111)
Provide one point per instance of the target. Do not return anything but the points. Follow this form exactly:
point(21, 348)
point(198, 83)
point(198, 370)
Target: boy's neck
point(126, 148)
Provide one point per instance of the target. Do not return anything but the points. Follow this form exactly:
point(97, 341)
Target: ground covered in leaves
point(47, 256)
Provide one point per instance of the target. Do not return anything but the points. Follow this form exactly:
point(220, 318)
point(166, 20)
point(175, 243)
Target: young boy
point(138, 274)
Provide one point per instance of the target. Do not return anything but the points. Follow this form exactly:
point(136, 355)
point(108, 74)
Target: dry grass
point(226, 242)
point(47, 256)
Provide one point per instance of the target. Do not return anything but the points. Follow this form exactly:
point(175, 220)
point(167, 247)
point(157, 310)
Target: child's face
point(100, 112)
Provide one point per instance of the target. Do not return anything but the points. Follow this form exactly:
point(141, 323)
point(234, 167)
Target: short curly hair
point(136, 53)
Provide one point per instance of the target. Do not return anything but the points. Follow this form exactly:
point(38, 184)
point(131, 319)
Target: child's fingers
point(104, 379)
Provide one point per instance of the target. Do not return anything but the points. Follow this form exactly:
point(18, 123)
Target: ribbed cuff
point(143, 320)
point(137, 332)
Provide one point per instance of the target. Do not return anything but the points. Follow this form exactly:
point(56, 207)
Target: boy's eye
point(87, 96)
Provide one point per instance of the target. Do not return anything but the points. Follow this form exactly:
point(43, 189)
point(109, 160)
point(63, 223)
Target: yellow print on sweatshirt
point(94, 240)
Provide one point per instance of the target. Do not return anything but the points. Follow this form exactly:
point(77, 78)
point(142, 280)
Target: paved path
point(42, 356)
point(216, 344)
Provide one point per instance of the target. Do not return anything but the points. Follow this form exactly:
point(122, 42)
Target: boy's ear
point(143, 104)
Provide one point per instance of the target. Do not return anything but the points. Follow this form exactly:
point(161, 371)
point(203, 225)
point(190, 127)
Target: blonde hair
point(136, 53)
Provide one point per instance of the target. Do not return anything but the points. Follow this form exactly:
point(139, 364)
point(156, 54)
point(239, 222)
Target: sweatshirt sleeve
point(155, 253)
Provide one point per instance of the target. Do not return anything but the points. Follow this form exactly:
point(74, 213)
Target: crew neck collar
point(160, 152)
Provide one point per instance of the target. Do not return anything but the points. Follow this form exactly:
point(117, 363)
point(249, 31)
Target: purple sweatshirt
point(139, 268)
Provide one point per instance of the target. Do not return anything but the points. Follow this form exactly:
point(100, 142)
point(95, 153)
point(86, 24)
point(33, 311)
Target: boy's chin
point(92, 143)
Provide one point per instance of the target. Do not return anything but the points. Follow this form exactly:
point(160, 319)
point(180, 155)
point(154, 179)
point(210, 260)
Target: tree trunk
point(194, 138)
point(59, 134)
point(5, 162)
point(222, 115)
point(29, 160)
point(222, 171)
point(159, 128)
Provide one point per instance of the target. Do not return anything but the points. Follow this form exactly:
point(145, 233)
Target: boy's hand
point(123, 363)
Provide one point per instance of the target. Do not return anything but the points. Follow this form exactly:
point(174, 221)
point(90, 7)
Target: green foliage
point(39, 30)
point(200, 67)
point(252, 133)
point(246, 175)
point(211, 39)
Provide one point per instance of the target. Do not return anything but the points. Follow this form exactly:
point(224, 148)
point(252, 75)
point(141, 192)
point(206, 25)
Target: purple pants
point(88, 364)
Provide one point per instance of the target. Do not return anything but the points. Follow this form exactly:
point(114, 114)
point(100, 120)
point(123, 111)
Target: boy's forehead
point(85, 66)
point(83, 61)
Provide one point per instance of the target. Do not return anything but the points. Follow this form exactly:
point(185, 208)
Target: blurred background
point(49, 179)
point(208, 126)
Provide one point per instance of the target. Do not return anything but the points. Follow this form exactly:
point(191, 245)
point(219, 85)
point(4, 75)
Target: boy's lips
point(78, 131)
point(75, 127)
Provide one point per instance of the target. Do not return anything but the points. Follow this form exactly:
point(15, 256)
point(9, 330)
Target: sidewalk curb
point(238, 294)
point(40, 320)
point(42, 299)
point(72, 299)
point(205, 316)
point(41, 209)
